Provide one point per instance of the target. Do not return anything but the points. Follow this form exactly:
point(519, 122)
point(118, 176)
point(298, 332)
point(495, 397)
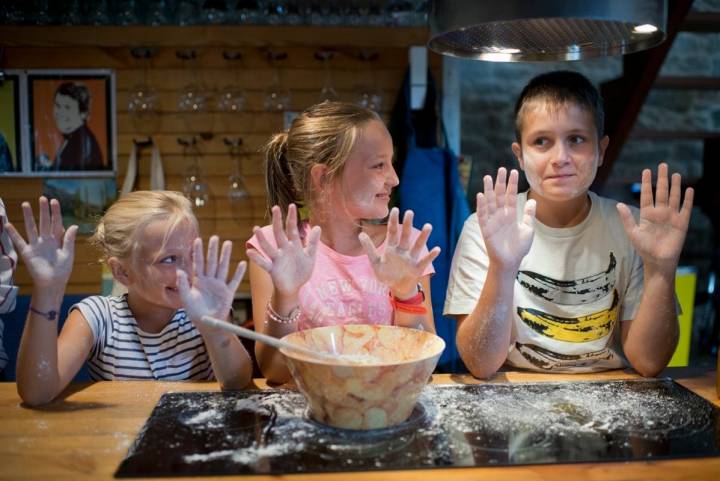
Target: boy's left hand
point(210, 293)
point(659, 236)
point(400, 266)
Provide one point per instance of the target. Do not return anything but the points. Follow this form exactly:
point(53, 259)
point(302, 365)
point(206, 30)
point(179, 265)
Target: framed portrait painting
point(71, 122)
point(10, 135)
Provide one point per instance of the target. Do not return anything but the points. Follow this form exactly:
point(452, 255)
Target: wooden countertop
point(86, 433)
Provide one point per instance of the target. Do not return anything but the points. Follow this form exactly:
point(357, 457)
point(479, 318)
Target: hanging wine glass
point(71, 13)
point(231, 98)
point(327, 92)
point(195, 188)
point(194, 97)
point(248, 11)
point(277, 97)
point(214, 11)
point(367, 94)
point(143, 101)
point(126, 14)
point(238, 194)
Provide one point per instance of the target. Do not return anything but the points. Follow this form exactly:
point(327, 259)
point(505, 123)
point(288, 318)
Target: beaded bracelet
point(274, 316)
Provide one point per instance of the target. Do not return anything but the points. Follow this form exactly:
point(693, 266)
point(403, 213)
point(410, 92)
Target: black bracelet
point(49, 315)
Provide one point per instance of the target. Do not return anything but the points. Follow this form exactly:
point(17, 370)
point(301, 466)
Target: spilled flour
point(248, 432)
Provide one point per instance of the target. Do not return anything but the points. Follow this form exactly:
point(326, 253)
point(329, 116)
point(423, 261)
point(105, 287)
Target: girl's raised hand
point(401, 265)
point(291, 263)
point(659, 236)
point(48, 253)
point(210, 293)
point(507, 240)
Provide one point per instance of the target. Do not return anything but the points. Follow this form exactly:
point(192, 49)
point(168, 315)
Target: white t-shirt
point(571, 291)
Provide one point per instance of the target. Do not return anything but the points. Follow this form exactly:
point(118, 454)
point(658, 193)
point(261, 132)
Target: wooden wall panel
point(109, 47)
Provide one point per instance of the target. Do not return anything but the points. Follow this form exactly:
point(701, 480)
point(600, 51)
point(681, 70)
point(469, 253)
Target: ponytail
point(278, 174)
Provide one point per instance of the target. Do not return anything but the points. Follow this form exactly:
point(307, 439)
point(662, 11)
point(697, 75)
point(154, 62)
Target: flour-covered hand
point(291, 263)
point(48, 253)
point(210, 293)
point(507, 239)
point(401, 265)
point(659, 235)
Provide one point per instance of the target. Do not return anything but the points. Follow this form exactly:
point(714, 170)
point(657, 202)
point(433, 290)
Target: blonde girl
point(150, 242)
point(340, 265)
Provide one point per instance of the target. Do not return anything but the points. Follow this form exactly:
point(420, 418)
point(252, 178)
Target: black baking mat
point(267, 431)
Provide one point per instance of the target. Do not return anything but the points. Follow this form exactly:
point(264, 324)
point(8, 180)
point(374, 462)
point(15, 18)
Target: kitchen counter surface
point(86, 433)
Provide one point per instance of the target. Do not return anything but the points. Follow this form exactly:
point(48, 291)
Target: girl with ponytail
point(337, 263)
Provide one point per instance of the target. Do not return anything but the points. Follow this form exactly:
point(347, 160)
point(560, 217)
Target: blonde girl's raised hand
point(659, 235)
point(507, 239)
point(210, 293)
point(49, 251)
point(289, 263)
point(401, 265)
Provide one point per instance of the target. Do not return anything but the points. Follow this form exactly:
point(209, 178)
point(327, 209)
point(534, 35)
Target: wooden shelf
point(707, 22)
point(673, 134)
point(210, 36)
point(687, 83)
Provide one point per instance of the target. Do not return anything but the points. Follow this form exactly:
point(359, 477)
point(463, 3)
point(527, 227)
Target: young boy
point(558, 279)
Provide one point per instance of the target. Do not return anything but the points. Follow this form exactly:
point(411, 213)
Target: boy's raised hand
point(210, 293)
point(291, 264)
point(48, 253)
point(659, 236)
point(401, 265)
point(507, 240)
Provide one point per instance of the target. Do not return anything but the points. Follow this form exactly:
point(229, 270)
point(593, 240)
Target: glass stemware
point(98, 14)
point(214, 11)
point(143, 101)
point(248, 11)
point(367, 94)
point(327, 92)
point(277, 97)
point(195, 188)
point(238, 194)
point(231, 98)
point(194, 97)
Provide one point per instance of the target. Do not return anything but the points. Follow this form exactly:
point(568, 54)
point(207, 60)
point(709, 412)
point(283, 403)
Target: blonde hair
point(323, 134)
point(117, 231)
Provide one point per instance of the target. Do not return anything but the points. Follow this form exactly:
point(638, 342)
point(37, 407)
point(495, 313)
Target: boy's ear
point(604, 142)
point(317, 175)
point(118, 271)
point(517, 150)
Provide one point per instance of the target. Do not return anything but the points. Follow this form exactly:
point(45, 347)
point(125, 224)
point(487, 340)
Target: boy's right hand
point(507, 239)
point(48, 254)
point(290, 264)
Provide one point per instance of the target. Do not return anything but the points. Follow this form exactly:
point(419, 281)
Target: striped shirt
point(122, 351)
point(8, 291)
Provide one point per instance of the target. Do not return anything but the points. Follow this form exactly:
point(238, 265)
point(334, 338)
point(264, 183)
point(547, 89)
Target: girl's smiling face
point(369, 175)
point(154, 263)
point(560, 152)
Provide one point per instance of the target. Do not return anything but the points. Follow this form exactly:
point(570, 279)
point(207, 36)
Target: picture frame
point(11, 151)
point(67, 123)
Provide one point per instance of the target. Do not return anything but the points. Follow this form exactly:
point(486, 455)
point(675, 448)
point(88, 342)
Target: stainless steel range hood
point(516, 30)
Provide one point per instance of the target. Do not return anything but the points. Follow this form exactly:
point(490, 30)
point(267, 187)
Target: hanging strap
point(131, 172)
point(157, 174)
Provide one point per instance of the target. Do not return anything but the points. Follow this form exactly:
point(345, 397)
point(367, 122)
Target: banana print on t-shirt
point(587, 327)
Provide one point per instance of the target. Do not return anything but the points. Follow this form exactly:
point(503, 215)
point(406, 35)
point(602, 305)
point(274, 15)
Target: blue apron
point(430, 187)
